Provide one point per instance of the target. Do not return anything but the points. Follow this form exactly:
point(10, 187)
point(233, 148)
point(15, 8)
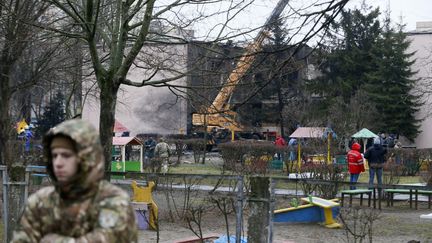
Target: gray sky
point(255, 15)
point(412, 11)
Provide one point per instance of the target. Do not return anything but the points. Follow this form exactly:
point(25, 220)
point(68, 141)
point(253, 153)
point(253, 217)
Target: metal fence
point(236, 186)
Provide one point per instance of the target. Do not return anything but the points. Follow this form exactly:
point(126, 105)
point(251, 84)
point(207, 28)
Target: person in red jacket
point(355, 163)
point(280, 145)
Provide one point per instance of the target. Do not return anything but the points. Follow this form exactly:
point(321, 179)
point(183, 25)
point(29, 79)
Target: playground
point(177, 211)
point(396, 224)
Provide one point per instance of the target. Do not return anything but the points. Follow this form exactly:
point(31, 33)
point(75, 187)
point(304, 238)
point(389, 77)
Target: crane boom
point(218, 114)
point(246, 61)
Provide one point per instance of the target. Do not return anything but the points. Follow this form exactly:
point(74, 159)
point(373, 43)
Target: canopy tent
point(123, 142)
point(364, 134)
point(314, 132)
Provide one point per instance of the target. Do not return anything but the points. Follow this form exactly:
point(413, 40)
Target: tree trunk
point(258, 218)
point(280, 105)
point(6, 129)
point(10, 151)
point(108, 100)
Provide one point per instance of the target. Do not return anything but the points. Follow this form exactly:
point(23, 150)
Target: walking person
point(162, 152)
point(80, 206)
point(355, 163)
point(149, 145)
point(280, 146)
point(375, 156)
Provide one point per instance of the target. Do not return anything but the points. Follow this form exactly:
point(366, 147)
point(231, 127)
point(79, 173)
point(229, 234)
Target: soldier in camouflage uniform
point(162, 152)
point(80, 206)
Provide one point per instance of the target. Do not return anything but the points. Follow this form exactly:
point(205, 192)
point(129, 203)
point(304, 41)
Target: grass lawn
point(364, 178)
point(214, 170)
point(195, 169)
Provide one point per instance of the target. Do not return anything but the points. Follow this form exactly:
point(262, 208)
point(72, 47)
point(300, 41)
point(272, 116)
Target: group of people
point(160, 150)
point(375, 155)
point(82, 207)
point(280, 143)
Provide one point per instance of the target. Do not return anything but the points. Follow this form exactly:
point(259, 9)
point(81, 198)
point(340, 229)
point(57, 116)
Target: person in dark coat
point(375, 156)
point(150, 145)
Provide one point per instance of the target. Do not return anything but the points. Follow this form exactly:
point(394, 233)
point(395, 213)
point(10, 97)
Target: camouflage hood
point(90, 153)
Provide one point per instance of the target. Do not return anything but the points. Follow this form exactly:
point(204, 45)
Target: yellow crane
point(219, 115)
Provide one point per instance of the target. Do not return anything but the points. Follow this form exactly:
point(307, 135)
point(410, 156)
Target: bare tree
point(358, 223)
point(29, 59)
point(115, 32)
point(15, 39)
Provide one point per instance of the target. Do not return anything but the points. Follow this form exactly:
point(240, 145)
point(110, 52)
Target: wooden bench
point(360, 192)
point(390, 196)
point(327, 206)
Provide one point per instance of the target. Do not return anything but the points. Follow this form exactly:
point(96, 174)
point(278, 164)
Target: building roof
point(422, 28)
point(118, 127)
point(126, 140)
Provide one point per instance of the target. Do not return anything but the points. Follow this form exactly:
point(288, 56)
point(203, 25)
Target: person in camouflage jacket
point(82, 207)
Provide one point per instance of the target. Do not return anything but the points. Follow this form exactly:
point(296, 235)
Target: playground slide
point(308, 213)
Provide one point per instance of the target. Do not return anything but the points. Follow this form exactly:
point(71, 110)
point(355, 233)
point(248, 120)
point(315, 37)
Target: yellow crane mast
point(219, 115)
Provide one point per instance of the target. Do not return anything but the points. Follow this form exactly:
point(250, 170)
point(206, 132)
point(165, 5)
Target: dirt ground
point(395, 224)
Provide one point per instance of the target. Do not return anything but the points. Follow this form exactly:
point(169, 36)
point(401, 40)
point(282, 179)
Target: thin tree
point(27, 55)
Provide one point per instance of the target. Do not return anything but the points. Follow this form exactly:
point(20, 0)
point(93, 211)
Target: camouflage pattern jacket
point(87, 209)
point(162, 150)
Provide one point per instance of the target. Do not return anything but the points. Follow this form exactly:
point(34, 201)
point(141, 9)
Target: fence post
point(271, 209)
point(26, 186)
point(258, 202)
point(239, 219)
point(5, 202)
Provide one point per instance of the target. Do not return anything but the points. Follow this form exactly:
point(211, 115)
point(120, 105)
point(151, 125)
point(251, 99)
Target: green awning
point(364, 133)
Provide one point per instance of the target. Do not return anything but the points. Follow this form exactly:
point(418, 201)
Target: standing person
point(28, 135)
point(383, 139)
point(162, 151)
point(280, 145)
point(355, 163)
point(375, 156)
point(80, 206)
point(292, 144)
point(150, 145)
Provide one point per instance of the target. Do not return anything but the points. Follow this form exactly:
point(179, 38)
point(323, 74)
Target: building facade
point(421, 44)
point(202, 69)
